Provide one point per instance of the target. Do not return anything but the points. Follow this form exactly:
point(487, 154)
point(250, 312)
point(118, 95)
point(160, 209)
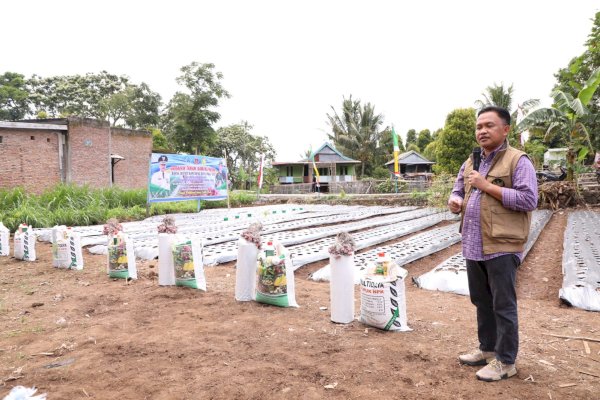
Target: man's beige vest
point(502, 230)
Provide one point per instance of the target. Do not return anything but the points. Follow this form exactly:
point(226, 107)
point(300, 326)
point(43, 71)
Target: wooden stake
point(588, 373)
point(587, 347)
point(573, 337)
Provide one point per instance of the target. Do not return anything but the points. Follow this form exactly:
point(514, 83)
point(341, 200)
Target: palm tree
point(356, 132)
point(563, 118)
point(346, 124)
point(306, 155)
point(500, 96)
point(497, 96)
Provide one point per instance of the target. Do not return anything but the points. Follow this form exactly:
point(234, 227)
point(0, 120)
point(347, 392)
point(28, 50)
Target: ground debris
point(560, 194)
point(14, 375)
point(61, 363)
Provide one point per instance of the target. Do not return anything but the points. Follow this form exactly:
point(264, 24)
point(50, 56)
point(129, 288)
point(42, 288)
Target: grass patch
point(81, 206)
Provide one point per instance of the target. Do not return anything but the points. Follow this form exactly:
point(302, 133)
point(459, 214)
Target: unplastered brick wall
point(135, 147)
point(29, 159)
point(88, 152)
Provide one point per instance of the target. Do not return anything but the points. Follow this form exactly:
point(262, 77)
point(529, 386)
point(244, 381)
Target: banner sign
point(175, 177)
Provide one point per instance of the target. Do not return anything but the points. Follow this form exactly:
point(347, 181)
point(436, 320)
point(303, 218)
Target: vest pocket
point(508, 224)
point(500, 178)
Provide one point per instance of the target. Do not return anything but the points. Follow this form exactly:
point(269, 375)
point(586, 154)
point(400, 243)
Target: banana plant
point(563, 118)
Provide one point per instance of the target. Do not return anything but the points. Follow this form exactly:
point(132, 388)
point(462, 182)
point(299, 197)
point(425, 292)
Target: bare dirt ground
point(80, 335)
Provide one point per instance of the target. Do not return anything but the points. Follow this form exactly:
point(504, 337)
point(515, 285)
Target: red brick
point(34, 164)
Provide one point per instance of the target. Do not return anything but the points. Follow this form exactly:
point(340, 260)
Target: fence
point(369, 186)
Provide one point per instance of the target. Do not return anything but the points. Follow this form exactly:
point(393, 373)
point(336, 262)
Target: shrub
point(440, 190)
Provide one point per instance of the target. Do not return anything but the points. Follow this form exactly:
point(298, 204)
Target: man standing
point(496, 200)
point(162, 178)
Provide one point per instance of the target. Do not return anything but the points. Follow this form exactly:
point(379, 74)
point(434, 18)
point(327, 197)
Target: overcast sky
point(287, 62)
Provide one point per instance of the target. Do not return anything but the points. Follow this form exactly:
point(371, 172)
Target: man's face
point(162, 165)
point(491, 131)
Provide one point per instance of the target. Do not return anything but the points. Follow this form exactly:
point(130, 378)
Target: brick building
point(38, 154)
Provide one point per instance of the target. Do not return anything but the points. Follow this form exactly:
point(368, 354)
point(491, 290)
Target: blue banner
point(175, 177)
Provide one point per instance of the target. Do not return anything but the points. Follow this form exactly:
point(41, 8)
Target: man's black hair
point(500, 112)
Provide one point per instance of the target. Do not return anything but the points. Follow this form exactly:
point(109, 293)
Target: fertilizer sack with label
point(121, 258)
point(275, 277)
point(382, 299)
point(57, 231)
point(68, 249)
point(25, 243)
point(188, 263)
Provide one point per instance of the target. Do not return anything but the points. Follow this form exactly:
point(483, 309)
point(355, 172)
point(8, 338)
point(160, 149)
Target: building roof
point(327, 155)
point(33, 125)
point(411, 158)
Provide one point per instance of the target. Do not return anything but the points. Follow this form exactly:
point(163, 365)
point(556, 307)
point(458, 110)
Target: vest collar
point(503, 146)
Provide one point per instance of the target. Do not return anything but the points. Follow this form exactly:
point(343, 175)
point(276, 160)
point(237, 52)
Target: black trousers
point(492, 290)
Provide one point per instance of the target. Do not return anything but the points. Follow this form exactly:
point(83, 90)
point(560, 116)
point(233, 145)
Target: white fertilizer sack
point(166, 270)
point(56, 232)
point(341, 289)
point(245, 271)
point(4, 240)
point(121, 258)
point(24, 242)
point(383, 301)
point(275, 278)
point(68, 250)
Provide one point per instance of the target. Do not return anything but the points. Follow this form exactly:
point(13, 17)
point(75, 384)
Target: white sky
point(286, 62)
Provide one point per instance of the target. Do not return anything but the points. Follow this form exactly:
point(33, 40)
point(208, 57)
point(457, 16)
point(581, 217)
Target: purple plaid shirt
point(523, 196)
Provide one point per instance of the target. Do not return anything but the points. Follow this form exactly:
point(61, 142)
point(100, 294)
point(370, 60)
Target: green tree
point(413, 147)
point(386, 143)
point(411, 137)
point(496, 95)
point(102, 96)
point(564, 118)
point(190, 114)
point(430, 151)
point(385, 152)
point(159, 141)
point(14, 97)
point(424, 139)
point(345, 123)
point(356, 132)
point(456, 141)
point(573, 78)
point(243, 151)
point(306, 154)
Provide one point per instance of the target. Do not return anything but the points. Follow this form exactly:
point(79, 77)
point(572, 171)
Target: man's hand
point(476, 180)
point(479, 182)
point(455, 204)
